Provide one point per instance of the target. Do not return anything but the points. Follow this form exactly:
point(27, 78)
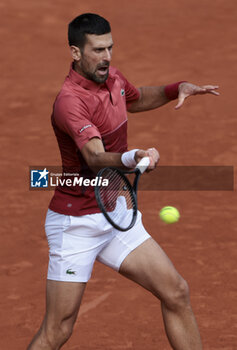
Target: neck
point(77, 68)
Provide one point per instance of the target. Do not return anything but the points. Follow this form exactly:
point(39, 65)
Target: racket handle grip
point(143, 164)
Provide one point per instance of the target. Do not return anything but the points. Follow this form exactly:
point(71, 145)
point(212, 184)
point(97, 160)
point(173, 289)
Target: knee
point(66, 330)
point(57, 335)
point(178, 296)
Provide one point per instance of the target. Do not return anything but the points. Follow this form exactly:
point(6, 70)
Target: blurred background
point(156, 43)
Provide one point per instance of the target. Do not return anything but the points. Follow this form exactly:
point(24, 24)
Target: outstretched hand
point(188, 89)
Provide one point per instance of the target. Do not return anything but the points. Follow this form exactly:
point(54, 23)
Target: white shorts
point(75, 242)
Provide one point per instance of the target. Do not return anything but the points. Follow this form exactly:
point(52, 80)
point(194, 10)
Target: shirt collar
point(89, 84)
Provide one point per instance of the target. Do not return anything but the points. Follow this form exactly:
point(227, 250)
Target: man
point(90, 123)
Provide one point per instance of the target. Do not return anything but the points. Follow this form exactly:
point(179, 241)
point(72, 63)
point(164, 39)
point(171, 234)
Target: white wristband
point(128, 159)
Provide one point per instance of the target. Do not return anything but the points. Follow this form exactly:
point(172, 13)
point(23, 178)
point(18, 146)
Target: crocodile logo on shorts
point(70, 272)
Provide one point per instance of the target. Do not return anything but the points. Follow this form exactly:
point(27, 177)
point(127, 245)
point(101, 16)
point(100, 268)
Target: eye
point(98, 50)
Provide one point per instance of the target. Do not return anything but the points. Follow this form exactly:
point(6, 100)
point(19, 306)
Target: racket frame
point(133, 190)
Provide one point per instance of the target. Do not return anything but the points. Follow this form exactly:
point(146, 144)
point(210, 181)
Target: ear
point(75, 52)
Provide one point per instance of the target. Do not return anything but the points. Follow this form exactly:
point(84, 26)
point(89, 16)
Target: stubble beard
point(96, 79)
point(92, 75)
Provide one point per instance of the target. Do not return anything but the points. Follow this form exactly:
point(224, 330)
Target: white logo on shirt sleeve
point(85, 127)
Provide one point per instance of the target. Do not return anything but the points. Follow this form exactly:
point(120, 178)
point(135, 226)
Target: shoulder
point(73, 96)
point(68, 107)
point(68, 101)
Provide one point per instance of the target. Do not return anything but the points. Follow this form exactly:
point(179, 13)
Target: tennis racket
point(118, 200)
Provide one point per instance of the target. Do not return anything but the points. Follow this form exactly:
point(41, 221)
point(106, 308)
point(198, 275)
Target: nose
point(107, 55)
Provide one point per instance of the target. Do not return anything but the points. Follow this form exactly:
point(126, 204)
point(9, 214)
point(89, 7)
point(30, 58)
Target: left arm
point(152, 97)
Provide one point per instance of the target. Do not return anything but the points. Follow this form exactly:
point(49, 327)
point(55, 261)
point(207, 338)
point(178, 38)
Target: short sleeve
point(72, 117)
point(131, 92)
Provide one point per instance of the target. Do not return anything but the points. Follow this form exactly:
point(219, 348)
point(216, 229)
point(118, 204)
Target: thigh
point(63, 301)
point(122, 244)
point(149, 266)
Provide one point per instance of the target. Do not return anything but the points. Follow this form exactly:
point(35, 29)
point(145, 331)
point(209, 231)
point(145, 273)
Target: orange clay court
point(156, 42)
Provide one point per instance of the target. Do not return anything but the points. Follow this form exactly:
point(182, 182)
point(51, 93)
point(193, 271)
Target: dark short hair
point(87, 23)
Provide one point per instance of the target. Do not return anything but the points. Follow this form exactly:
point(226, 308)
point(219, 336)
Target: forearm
point(104, 159)
point(151, 97)
point(95, 156)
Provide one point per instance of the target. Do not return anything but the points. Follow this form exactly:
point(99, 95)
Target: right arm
point(95, 156)
point(87, 137)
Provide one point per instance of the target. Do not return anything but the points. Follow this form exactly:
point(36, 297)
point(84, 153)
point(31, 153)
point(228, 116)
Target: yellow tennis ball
point(169, 215)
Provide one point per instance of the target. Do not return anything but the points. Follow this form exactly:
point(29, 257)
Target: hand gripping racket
point(118, 200)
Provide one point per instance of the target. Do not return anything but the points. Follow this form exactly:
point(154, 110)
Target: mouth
point(103, 70)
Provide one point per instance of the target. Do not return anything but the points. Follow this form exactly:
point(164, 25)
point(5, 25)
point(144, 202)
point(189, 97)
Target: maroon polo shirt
point(82, 110)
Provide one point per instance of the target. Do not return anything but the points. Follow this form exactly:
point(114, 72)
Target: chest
point(109, 111)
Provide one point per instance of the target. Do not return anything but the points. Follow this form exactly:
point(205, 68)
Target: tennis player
point(90, 123)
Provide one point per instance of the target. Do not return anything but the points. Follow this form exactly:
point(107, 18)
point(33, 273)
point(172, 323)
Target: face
point(94, 60)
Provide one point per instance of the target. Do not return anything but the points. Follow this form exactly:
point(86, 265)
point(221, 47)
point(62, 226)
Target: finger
point(210, 87)
point(214, 92)
point(199, 90)
point(154, 158)
point(180, 102)
point(154, 153)
point(152, 163)
point(140, 154)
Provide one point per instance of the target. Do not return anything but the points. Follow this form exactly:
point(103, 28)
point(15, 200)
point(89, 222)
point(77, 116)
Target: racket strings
point(117, 198)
